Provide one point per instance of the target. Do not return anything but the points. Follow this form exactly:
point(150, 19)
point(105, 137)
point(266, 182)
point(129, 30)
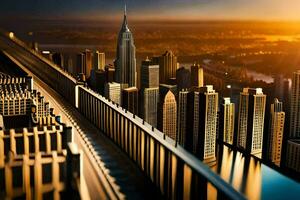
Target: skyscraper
point(164, 88)
point(276, 132)
point(149, 105)
point(167, 115)
point(97, 81)
point(251, 120)
point(208, 108)
point(167, 66)
point(295, 106)
point(183, 78)
point(226, 121)
point(149, 75)
point(192, 124)
point(182, 117)
point(69, 63)
point(292, 155)
point(279, 87)
point(84, 63)
point(197, 79)
point(79, 63)
point(113, 92)
point(130, 99)
point(110, 73)
point(125, 62)
point(87, 63)
point(149, 93)
point(99, 61)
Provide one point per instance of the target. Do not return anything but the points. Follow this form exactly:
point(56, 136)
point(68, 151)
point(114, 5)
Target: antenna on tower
point(125, 26)
point(125, 10)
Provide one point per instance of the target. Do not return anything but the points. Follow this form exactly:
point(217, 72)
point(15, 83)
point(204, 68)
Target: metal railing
point(177, 173)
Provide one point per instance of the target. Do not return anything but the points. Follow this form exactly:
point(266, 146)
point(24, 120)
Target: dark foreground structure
point(37, 157)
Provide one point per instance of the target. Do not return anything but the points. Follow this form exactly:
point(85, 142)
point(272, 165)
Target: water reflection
point(252, 178)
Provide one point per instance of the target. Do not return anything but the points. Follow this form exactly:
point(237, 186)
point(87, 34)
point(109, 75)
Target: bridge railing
point(61, 81)
point(37, 54)
point(176, 172)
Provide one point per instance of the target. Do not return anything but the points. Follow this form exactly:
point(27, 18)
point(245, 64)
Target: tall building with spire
point(125, 62)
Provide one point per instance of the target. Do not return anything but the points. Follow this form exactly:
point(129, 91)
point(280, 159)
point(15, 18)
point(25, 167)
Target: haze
point(158, 9)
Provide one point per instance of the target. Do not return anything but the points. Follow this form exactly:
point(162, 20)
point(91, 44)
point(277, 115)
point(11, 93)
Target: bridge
point(123, 156)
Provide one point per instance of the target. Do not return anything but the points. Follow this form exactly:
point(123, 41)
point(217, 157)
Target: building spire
point(125, 24)
point(125, 10)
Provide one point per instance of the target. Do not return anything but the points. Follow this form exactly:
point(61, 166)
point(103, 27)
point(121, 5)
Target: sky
point(154, 9)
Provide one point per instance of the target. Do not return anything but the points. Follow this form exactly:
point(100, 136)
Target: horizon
point(159, 20)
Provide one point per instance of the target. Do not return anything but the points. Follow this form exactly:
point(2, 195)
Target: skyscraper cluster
point(177, 101)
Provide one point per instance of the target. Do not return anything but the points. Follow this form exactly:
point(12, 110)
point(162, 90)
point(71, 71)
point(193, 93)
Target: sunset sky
point(154, 9)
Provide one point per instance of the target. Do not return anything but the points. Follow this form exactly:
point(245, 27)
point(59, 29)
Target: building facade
point(182, 117)
point(87, 63)
point(79, 63)
point(226, 121)
point(295, 106)
point(149, 75)
point(112, 92)
point(276, 132)
point(251, 120)
point(149, 105)
point(197, 76)
point(149, 92)
point(99, 61)
point(130, 99)
point(208, 109)
point(292, 155)
point(183, 78)
point(192, 125)
point(167, 66)
point(168, 115)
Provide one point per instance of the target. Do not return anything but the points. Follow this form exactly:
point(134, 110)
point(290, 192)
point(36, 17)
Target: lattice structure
point(35, 140)
point(34, 176)
point(35, 162)
point(18, 103)
point(16, 98)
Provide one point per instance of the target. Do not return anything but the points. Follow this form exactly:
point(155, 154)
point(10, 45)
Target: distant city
point(235, 120)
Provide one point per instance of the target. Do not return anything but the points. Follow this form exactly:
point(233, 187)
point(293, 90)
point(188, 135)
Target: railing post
point(76, 96)
point(199, 187)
